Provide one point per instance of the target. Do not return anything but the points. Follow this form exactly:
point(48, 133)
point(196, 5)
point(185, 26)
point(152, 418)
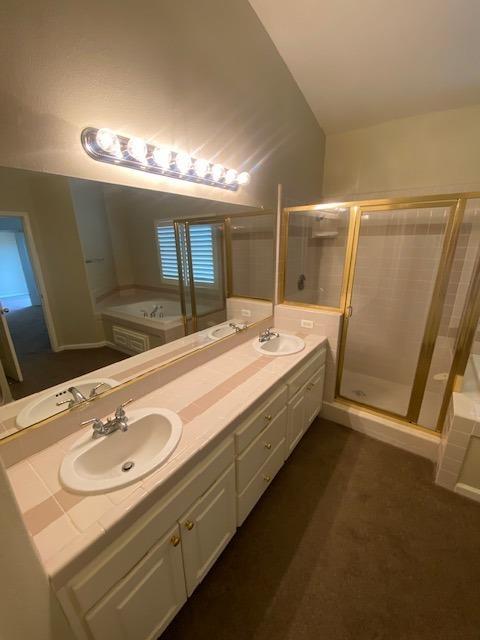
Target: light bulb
point(162, 157)
point(200, 167)
point(217, 172)
point(230, 176)
point(108, 141)
point(137, 149)
point(243, 178)
point(183, 162)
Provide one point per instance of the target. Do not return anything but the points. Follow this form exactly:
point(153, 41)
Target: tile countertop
point(69, 529)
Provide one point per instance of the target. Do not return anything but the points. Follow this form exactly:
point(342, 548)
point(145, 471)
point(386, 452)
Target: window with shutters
point(202, 242)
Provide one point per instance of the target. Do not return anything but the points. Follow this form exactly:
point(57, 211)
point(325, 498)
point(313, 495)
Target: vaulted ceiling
point(362, 62)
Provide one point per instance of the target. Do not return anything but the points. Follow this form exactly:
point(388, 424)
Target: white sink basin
point(221, 331)
point(284, 345)
point(95, 466)
point(45, 404)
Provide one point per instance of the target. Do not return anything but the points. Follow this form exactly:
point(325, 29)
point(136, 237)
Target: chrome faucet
point(238, 327)
point(118, 422)
point(267, 335)
point(77, 398)
point(153, 312)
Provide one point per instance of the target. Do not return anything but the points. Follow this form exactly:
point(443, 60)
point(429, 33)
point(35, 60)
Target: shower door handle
point(349, 311)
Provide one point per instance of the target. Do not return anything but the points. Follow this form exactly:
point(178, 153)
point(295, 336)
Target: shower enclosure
point(219, 258)
point(402, 274)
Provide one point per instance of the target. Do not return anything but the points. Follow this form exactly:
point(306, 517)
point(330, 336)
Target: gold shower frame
point(456, 203)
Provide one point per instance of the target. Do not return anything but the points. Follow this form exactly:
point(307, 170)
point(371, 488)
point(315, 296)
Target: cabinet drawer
point(250, 461)
point(307, 371)
point(250, 496)
point(141, 605)
point(260, 418)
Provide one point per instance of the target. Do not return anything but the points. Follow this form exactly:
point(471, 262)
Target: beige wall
point(47, 201)
point(433, 153)
point(203, 76)
point(94, 231)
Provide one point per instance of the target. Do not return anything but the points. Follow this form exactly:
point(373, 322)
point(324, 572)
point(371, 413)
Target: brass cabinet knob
point(310, 387)
point(175, 540)
point(268, 445)
point(268, 417)
point(267, 478)
point(189, 525)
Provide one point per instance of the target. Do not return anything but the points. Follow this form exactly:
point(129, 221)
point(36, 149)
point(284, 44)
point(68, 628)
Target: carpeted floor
point(41, 367)
point(352, 541)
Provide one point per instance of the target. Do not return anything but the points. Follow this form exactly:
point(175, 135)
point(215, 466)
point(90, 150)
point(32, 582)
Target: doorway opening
point(23, 328)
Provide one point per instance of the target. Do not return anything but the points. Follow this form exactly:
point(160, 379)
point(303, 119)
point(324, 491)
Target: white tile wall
point(325, 323)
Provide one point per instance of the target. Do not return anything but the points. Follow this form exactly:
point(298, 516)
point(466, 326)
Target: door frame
point(37, 270)
point(456, 208)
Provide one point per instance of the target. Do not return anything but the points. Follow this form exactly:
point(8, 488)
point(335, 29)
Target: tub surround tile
point(66, 526)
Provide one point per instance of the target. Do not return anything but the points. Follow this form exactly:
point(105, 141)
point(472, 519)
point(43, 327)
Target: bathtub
point(156, 313)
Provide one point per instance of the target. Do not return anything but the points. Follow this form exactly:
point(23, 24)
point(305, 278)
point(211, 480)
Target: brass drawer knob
point(268, 445)
point(189, 525)
point(175, 541)
point(267, 478)
point(268, 417)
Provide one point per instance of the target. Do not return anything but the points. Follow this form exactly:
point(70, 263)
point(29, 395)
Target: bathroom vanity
point(134, 564)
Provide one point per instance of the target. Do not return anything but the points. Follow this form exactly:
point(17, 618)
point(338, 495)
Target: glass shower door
point(396, 273)
point(206, 276)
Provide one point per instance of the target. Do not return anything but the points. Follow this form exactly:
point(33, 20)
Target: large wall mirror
point(93, 274)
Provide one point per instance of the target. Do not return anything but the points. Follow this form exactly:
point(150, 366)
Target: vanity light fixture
point(105, 145)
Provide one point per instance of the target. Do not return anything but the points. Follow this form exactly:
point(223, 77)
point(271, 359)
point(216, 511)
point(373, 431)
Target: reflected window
point(202, 243)
point(168, 252)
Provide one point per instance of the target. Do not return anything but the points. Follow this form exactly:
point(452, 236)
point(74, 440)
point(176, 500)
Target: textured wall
point(203, 76)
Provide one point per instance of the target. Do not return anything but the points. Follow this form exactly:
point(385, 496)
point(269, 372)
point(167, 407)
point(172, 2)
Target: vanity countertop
point(210, 400)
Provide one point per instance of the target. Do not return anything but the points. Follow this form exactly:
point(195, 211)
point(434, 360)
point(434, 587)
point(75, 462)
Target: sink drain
point(126, 466)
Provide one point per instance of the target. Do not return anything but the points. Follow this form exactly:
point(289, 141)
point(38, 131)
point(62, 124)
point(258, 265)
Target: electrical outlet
point(246, 313)
point(307, 324)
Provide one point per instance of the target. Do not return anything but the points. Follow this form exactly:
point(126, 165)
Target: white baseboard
point(381, 428)
point(468, 491)
point(82, 345)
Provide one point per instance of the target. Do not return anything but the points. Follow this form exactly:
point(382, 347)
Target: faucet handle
point(97, 425)
point(93, 390)
point(119, 411)
point(94, 421)
point(69, 402)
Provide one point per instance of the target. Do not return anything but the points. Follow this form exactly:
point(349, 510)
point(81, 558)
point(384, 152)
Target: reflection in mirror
point(92, 274)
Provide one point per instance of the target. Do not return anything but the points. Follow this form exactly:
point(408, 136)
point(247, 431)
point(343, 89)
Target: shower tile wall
point(394, 278)
point(252, 256)
point(316, 250)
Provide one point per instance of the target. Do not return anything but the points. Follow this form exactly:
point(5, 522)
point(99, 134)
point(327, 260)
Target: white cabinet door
point(207, 528)
point(296, 421)
point(145, 601)
point(314, 396)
